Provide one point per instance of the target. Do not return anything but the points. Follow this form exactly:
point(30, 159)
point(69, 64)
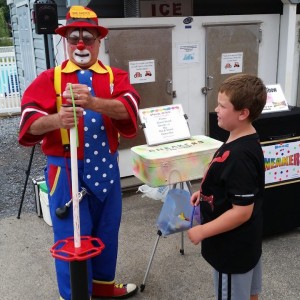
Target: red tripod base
point(65, 249)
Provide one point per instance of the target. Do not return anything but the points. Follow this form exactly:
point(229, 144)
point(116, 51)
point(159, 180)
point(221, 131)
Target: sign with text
point(275, 99)
point(166, 8)
point(164, 124)
point(232, 63)
point(188, 53)
point(282, 161)
point(142, 71)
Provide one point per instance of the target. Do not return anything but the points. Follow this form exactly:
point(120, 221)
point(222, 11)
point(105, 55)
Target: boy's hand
point(195, 198)
point(195, 234)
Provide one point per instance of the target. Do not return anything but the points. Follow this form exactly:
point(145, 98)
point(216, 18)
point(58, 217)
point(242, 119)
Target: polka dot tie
point(100, 166)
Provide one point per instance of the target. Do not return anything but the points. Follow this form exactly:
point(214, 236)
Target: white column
point(286, 50)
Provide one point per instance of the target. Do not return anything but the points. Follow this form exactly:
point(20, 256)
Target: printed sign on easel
point(164, 124)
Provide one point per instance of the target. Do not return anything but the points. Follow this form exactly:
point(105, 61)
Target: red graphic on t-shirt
point(210, 199)
point(221, 158)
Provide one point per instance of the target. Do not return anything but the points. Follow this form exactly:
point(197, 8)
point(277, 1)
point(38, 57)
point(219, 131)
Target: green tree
point(5, 9)
point(4, 19)
point(5, 33)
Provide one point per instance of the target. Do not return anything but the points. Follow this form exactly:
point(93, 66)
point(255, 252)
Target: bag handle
point(171, 176)
point(192, 216)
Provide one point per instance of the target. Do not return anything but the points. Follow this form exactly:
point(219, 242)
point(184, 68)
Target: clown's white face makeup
point(81, 54)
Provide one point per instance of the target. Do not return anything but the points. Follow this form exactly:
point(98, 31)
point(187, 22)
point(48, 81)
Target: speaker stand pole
point(47, 51)
point(26, 180)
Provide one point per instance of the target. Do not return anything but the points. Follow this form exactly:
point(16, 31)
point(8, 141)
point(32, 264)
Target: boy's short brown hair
point(245, 91)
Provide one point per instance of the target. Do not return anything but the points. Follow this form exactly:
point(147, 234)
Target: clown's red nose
point(80, 45)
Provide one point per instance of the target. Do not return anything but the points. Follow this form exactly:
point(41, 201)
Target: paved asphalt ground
point(27, 269)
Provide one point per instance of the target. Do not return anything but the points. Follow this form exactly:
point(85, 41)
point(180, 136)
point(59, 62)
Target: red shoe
point(111, 290)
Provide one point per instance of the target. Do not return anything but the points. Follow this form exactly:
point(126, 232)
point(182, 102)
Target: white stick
point(75, 189)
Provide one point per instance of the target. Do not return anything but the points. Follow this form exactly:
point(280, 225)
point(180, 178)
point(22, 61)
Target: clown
point(106, 107)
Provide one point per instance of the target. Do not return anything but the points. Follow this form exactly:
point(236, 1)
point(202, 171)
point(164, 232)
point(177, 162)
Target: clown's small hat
point(79, 17)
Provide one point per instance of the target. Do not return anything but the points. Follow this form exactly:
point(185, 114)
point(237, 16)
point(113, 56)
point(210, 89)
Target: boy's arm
point(231, 219)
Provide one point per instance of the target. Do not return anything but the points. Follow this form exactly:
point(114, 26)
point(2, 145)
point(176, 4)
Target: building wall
point(188, 79)
point(115, 8)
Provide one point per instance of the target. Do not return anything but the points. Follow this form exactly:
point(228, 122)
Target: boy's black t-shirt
point(236, 176)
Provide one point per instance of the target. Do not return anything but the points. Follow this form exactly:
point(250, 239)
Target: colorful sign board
point(282, 161)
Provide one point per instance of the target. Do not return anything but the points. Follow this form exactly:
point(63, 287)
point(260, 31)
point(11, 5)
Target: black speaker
point(46, 19)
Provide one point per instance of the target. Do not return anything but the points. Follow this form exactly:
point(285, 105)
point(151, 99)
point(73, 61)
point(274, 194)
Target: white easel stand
point(159, 234)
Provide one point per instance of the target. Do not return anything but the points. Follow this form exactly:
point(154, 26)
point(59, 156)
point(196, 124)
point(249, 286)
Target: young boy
point(231, 194)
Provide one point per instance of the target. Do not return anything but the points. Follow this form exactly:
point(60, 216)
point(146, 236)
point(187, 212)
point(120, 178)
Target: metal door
point(128, 45)
point(231, 48)
point(26, 44)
